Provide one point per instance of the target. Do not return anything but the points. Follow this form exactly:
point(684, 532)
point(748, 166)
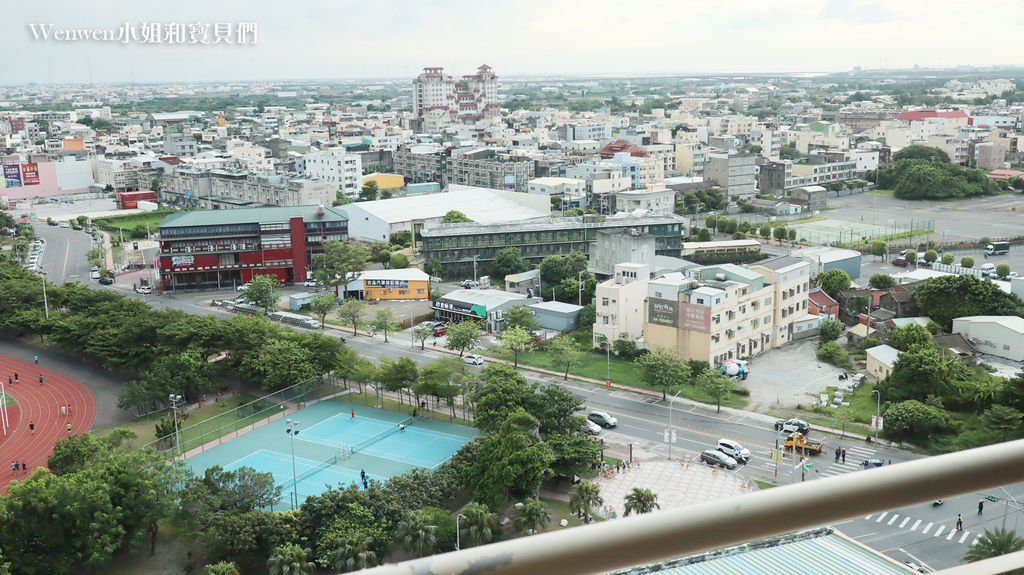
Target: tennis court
point(332, 447)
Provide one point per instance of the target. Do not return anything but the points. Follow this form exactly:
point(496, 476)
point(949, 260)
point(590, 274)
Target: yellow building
point(407, 283)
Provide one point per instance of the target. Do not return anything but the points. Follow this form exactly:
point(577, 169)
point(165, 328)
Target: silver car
point(734, 450)
point(715, 457)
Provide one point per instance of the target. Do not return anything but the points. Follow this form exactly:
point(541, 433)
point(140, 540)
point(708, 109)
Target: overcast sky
point(343, 39)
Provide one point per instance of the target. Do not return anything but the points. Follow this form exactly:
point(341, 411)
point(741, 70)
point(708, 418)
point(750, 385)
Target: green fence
point(246, 417)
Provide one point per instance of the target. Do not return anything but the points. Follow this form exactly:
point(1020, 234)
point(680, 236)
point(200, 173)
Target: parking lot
point(785, 377)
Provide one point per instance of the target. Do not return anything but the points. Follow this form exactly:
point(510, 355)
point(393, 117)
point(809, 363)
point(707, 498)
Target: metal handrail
point(631, 541)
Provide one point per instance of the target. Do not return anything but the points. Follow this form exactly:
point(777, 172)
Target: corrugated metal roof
point(250, 215)
point(827, 554)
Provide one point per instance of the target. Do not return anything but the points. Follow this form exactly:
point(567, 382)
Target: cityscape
point(372, 288)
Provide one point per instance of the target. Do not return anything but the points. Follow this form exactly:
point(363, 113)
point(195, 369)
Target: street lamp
point(458, 539)
point(670, 430)
point(878, 410)
point(46, 305)
point(579, 282)
point(373, 348)
point(176, 402)
point(292, 430)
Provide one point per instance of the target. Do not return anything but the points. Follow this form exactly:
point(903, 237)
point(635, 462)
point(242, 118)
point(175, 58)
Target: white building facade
point(339, 169)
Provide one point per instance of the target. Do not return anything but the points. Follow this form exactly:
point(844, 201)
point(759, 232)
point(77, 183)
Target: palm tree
point(416, 534)
point(476, 528)
point(290, 560)
point(993, 544)
point(641, 501)
point(584, 497)
point(222, 568)
point(532, 517)
point(353, 553)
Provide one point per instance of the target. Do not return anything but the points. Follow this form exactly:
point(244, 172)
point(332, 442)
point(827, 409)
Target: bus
point(294, 319)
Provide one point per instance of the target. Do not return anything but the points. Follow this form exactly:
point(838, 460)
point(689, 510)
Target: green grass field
point(145, 426)
point(593, 366)
point(129, 221)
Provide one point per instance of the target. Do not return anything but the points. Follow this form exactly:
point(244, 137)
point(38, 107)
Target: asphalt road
point(64, 254)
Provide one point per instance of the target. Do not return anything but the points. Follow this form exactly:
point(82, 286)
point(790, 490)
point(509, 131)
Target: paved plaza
point(676, 483)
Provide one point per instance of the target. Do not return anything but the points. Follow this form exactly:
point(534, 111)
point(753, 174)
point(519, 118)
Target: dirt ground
point(788, 376)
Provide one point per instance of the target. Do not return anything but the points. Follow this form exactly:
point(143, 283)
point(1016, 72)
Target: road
point(64, 254)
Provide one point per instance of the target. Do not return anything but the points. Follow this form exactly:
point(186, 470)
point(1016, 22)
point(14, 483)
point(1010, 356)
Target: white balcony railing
point(630, 541)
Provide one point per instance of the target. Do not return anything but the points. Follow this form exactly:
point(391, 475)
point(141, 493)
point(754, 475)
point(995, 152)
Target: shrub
point(830, 352)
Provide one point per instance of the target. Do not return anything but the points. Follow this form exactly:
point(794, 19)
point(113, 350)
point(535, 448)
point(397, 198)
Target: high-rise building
point(439, 100)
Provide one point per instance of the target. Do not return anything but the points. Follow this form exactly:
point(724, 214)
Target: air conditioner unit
point(210, 248)
point(234, 246)
point(188, 250)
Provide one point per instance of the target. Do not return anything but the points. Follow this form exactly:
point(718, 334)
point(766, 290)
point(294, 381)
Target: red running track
point(39, 404)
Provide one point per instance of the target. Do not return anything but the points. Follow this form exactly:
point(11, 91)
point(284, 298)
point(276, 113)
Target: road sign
point(808, 465)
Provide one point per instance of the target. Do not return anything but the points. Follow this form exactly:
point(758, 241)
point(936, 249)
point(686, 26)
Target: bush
point(625, 349)
point(912, 420)
point(399, 261)
point(830, 352)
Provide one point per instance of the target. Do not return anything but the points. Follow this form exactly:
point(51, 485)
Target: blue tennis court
point(332, 447)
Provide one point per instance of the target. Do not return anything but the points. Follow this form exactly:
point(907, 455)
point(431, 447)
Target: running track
point(39, 404)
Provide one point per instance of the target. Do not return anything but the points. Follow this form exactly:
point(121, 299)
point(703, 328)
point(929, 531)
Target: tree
point(340, 263)
point(508, 261)
point(711, 223)
point(948, 258)
point(584, 497)
point(462, 336)
point(994, 543)
point(218, 492)
point(947, 297)
point(1000, 417)
point(564, 352)
point(323, 303)
point(280, 364)
point(397, 375)
point(353, 553)
point(910, 256)
point(420, 333)
point(641, 501)
point(780, 233)
point(967, 262)
point(509, 463)
point(401, 238)
point(384, 320)
point(844, 417)
point(1003, 270)
point(516, 341)
point(434, 267)
point(830, 330)
point(477, 527)
point(416, 534)
point(879, 248)
point(522, 316)
point(662, 369)
point(399, 261)
point(263, 291)
point(833, 281)
point(221, 568)
point(352, 311)
point(913, 419)
point(910, 336)
point(919, 152)
point(369, 192)
point(791, 234)
point(930, 256)
point(704, 235)
point(765, 232)
point(830, 352)
point(881, 281)
point(531, 517)
point(455, 217)
point(290, 560)
point(716, 385)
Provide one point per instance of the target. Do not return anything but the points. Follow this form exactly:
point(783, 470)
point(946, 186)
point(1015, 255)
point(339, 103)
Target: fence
point(238, 419)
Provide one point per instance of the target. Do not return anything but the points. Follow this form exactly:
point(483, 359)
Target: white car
point(473, 359)
point(309, 283)
point(95, 275)
point(590, 427)
point(65, 225)
point(242, 287)
point(734, 450)
point(144, 289)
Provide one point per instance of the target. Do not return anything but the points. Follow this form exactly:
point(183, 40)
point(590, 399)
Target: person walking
point(844, 454)
point(366, 484)
point(37, 360)
point(69, 429)
point(40, 379)
point(14, 467)
point(10, 380)
point(959, 522)
point(31, 427)
point(69, 410)
point(981, 506)
point(64, 410)
point(353, 414)
point(15, 377)
point(24, 468)
point(839, 453)
point(362, 475)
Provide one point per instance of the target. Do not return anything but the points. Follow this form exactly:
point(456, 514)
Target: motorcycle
point(937, 502)
point(843, 376)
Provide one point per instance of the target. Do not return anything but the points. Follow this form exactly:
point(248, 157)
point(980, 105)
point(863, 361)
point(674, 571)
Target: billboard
point(12, 176)
point(510, 182)
point(695, 317)
point(30, 174)
point(387, 283)
point(183, 261)
point(663, 312)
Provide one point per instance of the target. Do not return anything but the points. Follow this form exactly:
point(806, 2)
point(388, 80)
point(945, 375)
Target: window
point(604, 320)
point(768, 301)
point(419, 291)
point(604, 301)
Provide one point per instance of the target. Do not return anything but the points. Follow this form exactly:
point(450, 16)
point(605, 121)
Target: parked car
point(715, 457)
point(144, 289)
point(242, 287)
point(77, 227)
point(106, 280)
point(440, 330)
point(65, 225)
point(309, 283)
point(900, 262)
point(734, 450)
point(52, 223)
point(94, 268)
point(602, 418)
point(792, 425)
point(590, 427)
point(473, 359)
point(95, 275)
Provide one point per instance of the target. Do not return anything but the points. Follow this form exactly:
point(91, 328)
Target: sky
point(395, 39)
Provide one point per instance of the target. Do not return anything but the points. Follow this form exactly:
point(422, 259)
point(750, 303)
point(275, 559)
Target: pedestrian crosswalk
point(949, 533)
point(854, 456)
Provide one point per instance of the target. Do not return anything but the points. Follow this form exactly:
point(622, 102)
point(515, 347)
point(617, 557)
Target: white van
point(987, 270)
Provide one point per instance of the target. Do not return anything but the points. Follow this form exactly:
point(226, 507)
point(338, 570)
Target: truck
point(734, 368)
point(808, 446)
point(997, 248)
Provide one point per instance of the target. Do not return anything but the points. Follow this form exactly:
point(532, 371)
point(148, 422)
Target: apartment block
point(656, 198)
point(734, 172)
point(339, 169)
point(620, 304)
point(440, 100)
point(490, 168)
point(790, 279)
point(722, 312)
point(188, 186)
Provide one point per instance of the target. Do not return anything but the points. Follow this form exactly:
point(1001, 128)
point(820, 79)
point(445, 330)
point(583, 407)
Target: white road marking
point(904, 524)
point(940, 530)
point(893, 520)
point(881, 517)
point(964, 538)
point(916, 523)
point(929, 526)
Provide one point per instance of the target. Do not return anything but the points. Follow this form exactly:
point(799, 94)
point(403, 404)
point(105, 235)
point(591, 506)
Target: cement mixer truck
point(734, 368)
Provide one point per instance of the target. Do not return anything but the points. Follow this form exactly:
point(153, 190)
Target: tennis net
point(311, 471)
point(386, 433)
